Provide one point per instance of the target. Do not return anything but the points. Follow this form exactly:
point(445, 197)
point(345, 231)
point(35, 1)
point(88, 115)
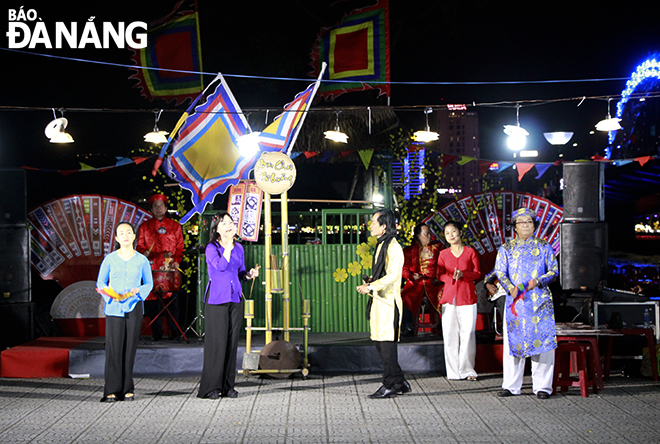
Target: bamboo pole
point(306, 312)
point(249, 315)
point(285, 266)
point(268, 243)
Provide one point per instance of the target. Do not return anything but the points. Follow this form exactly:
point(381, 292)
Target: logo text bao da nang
point(27, 30)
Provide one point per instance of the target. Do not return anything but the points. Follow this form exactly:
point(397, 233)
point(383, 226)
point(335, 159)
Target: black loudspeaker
point(13, 204)
point(583, 257)
point(584, 193)
point(16, 324)
point(14, 265)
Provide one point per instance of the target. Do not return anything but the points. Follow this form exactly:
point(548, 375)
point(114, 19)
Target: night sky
point(431, 41)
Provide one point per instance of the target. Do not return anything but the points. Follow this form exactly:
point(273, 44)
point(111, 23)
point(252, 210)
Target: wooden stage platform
point(329, 353)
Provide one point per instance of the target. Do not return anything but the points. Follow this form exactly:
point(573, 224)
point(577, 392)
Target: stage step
point(329, 353)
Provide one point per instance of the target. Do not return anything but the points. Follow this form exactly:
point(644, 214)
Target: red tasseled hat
point(156, 197)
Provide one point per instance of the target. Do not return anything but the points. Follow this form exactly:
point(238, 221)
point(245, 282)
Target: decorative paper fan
point(489, 215)
point(78, 300)
point(69, 237)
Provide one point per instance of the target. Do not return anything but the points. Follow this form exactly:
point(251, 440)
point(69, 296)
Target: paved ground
point(326, 409)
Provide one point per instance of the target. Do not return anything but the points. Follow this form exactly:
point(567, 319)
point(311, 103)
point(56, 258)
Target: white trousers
point(543, 367)
point(458, 325)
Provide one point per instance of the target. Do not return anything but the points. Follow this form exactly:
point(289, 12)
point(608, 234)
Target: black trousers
point(389, 354)
point(154, 306)
point(222, 329)
point(121, 340)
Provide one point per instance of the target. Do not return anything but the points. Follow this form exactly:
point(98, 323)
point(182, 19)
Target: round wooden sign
point(275, 172)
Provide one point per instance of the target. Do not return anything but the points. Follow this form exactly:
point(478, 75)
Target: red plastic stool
point(594, 354)
point(562, 374)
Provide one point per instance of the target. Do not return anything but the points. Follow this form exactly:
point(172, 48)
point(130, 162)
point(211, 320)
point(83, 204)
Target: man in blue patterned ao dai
point(530, 322)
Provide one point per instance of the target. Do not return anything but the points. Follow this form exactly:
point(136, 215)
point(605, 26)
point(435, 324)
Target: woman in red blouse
point(458, 268)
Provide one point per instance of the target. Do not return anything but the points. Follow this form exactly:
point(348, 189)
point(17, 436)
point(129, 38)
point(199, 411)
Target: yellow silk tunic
point(387, 294)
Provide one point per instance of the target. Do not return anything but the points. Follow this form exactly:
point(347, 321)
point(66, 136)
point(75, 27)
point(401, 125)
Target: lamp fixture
point(248, 144)
point(427, 135)
point(55, 129)
point(156, 137)
point(558, 137)
point(517, 135)
point(609, 123)
point(336, 135)
point(529, 153)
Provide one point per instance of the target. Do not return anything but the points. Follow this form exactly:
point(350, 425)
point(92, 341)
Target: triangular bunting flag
point(541, 169)
point(465, 159)
point(523, 168)
point(365, 155)
point(503, 166)
point(643, 160)
point(123, 161)
point(139, 160)
point(484, 166)
point(446, 159)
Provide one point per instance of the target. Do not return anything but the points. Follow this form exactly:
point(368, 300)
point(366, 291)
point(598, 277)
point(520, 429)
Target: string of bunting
point(484, 164)
point(121, 161)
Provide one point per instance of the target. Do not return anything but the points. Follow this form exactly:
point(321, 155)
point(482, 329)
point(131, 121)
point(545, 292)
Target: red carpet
point(41, 358)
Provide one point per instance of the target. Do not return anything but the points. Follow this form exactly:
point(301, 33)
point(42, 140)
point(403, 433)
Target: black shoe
point(407, 332)
point(383, 392)
point(129, 397)
point(215, 394)
point(504, 393)
point(403, 388)
point(109, 398)
point(543, 395)
point(230, 394)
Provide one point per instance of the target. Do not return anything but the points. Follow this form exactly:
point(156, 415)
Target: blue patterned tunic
point(532, 332)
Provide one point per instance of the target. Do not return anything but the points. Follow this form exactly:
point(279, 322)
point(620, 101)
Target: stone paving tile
point(326, 409)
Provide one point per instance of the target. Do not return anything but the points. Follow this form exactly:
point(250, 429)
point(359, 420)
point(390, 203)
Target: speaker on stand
point(584, 192)
point(583, 258)
point(16, 307)
point(584, 238)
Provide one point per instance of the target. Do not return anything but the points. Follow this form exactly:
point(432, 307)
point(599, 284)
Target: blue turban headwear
point(523, 212)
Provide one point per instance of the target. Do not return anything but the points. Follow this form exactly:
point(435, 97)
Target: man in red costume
point(161, 240)
point(419, 271)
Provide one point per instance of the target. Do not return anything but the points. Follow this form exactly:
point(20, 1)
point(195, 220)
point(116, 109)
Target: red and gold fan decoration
point(488, 219)
point(70, 236)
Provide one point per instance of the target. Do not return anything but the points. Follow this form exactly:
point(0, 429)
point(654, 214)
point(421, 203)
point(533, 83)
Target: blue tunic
point(123, 276)
point(532, 332)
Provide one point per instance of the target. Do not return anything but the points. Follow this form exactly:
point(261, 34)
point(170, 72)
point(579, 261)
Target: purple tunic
point(224, 277)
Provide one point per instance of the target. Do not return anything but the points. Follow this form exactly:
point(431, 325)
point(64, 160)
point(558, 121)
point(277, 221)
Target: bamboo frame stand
point(251, 360)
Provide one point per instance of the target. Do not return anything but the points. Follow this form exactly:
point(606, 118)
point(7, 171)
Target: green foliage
point(412, 211)
point(177, 201)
